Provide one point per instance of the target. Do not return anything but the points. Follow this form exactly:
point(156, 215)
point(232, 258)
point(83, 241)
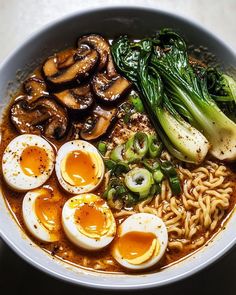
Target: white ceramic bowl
point(111, 22)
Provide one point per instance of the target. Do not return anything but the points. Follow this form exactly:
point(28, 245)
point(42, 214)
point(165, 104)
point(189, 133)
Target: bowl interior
point(110, 22)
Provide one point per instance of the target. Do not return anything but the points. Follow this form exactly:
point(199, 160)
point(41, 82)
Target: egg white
point(12, 171)
point(147, 223)
point(31, 220)
point(79, 145)
point(76, 234)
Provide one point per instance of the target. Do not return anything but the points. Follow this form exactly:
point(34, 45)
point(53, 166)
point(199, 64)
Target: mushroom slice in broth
point(110, 90)
point(76, 99)
point(76, 67)
point(98, 43)
point(35, 88)
point(44, 116)
point(98, 124)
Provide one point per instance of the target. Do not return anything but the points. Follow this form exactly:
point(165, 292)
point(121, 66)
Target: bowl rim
point(85, 283)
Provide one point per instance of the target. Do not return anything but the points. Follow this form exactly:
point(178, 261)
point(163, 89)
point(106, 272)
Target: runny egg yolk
point(34, 161)
point(48, 211)
point(135, 244)
point(91, 219)
point(79, 168)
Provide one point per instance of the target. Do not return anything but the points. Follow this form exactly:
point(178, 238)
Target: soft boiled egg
point(41, 210)
point(88, 222)
point(79, 167)
point(27, 162)
point(141, 242)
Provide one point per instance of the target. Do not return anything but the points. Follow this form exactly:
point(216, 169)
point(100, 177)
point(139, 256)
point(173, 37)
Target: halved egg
point(79, 167)
point(141, 242)
point(41, 210)
point(88, 222)
point(27, 162)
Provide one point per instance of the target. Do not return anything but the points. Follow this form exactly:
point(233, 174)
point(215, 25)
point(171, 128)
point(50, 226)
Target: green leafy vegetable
point(223, 90)
point(187, 89)
point(181, 139)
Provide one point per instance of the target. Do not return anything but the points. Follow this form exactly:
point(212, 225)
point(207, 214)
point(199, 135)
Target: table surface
point(18, 19)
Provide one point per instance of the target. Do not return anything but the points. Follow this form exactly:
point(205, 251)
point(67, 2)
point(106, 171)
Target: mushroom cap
point(45, 116)
point(98, 123)
point(110, 90)
point(78, 66)
point(76, 99)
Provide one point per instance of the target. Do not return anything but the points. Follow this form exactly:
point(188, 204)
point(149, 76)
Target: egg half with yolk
point(41, 210)
point(141, 241)
point(88, 222)
point(28, 162)
point(79, 167)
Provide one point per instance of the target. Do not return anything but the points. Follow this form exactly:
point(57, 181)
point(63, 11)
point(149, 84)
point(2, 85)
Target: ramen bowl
point(110, 22)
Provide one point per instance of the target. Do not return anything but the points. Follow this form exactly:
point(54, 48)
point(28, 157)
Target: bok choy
point(189, 115)
point(180, 138)
point(222, 89)
point(191, 97)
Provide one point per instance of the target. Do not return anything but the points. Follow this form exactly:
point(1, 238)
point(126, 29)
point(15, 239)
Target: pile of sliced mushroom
point(79, 81)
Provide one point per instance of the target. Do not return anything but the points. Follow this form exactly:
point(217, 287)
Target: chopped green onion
point(130, 155)
point(112, 202)
point(158, 176)
point(109, 164)
point(139, 180)
point(130, 199)
point(102, 147)
point(136, 147)
point(137, 103)
point(116, 168)
point(141, 143)
point(117, 195)
point(154, 146)
point(155, 189)
point(120, 168)
point(150, 165)
point(117, 153)
point(170, 172)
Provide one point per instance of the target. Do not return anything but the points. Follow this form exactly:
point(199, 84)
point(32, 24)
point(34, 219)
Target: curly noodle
point(191, 217)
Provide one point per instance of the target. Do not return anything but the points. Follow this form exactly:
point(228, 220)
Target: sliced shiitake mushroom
point(76, 99)
point(44, 116)
point(110, 90)
point(79, 65)
point(58, 61)
point(98, 43)
point(35, 88)
point(98, 124)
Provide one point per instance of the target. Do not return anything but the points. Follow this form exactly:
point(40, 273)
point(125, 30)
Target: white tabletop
point(20, 18)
